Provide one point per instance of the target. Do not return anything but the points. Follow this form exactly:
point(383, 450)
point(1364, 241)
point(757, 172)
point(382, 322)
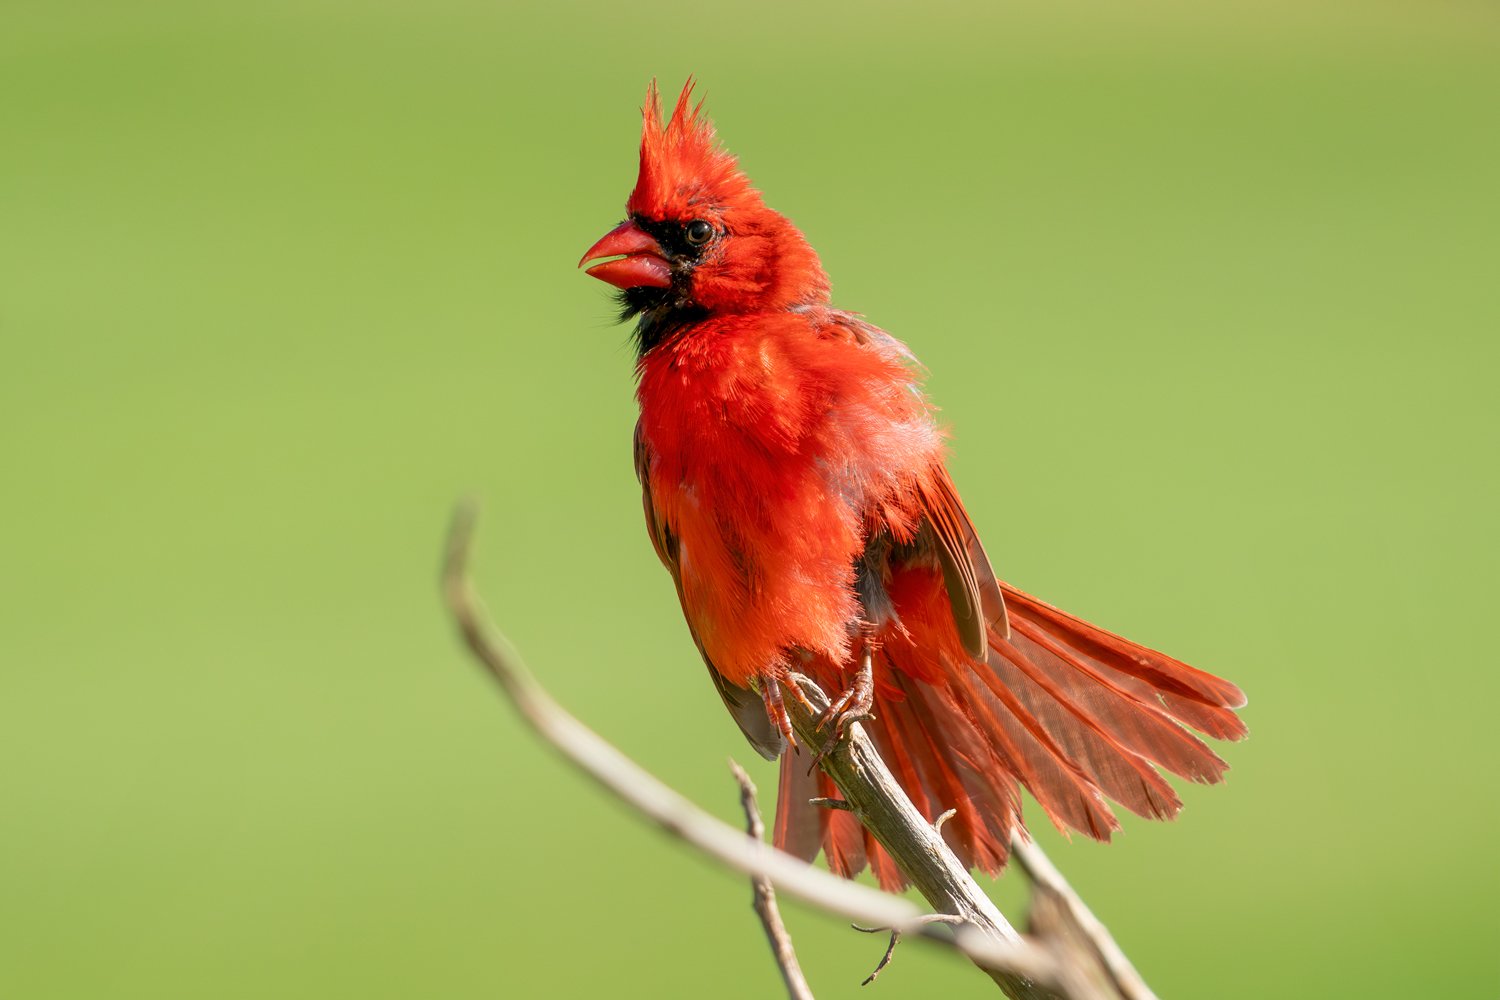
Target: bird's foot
point(852, 706)
point(770, 690)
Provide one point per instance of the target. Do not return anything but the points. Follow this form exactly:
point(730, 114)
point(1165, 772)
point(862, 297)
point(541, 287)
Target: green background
point(1209, 298)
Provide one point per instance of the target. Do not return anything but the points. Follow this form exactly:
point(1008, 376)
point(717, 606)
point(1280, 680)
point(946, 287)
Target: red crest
point(683, 168)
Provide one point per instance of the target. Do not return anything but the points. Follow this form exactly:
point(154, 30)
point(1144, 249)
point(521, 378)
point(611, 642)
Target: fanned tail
point(1077, 715)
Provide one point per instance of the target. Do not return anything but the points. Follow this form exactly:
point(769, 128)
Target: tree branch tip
point(742, 777)
point(461, 524)
point(885, 960)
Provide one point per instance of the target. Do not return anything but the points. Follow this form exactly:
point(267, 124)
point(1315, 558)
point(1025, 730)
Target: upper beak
point(641, 265)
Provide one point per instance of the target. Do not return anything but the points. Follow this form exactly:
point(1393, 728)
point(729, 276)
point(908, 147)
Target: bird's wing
point(745, 706)
point(973, 591)
point(946, 531)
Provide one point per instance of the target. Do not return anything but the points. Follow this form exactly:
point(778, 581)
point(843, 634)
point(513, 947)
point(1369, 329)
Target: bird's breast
point(769, 468)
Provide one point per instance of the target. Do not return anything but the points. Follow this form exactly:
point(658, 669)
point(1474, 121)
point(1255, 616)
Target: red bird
point(795, 488)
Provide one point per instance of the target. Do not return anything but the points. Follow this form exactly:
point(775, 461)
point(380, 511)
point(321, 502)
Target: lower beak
point(642, 263)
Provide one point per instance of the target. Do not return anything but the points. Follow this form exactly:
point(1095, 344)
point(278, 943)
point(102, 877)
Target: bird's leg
point(858, 698)
point(854, 704)
point(770, 690)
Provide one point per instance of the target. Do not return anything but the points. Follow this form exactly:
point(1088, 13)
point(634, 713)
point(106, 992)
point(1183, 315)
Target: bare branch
point(642, 791)
point(765, 897)
point(1042, 968)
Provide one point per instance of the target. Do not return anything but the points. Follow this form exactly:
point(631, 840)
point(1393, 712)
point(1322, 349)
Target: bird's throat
point(659, 313)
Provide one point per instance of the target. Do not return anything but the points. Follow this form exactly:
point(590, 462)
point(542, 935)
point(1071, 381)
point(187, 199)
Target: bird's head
point(697, 239)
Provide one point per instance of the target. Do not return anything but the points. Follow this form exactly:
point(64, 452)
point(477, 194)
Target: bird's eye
point(698, 232)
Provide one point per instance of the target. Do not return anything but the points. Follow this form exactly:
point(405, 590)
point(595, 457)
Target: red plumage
point(794, 485)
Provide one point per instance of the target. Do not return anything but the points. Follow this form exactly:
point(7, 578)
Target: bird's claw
point(853, 705)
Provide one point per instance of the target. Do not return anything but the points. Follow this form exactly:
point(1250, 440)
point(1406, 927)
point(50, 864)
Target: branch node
point(827, 803)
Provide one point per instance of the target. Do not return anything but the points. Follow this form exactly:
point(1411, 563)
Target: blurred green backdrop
point(1209, 299)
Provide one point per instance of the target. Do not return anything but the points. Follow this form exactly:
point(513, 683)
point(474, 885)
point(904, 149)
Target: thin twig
point(890, 953)
point(890, 949)
point(764, 899)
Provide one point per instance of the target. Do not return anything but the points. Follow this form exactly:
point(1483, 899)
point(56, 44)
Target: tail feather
point(994, 792)
point(1065, 792)
point(1095, 736)
point(843, 835)
point(957, 754)
point(1169, 677)
point(1136, 722)
point(798, 828)
point(1075, 714)
point(887, 874)
point(893, 742)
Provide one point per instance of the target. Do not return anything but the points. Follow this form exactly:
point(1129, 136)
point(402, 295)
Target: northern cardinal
point(795, 488)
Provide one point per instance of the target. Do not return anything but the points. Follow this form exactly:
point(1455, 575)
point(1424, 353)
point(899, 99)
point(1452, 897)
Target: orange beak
point(640, 262)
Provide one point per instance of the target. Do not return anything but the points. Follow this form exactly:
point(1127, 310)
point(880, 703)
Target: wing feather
point(745, 706)
point(973, 591)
